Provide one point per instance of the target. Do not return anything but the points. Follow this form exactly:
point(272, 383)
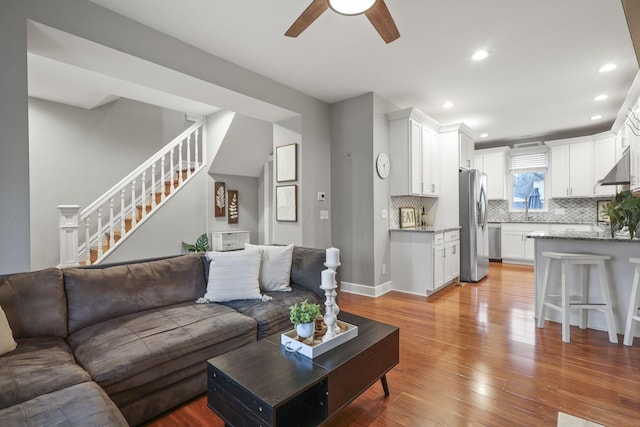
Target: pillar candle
point(328, 277)
point(333, 256)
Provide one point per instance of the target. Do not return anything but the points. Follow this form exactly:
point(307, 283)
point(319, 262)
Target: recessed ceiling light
point(484, 135)
point(607, 67)
point(480, 55)
point(596, 117)
point(601, 97)
point(447, 104)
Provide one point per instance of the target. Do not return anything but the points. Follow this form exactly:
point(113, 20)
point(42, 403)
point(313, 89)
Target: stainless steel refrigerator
point(474, 232)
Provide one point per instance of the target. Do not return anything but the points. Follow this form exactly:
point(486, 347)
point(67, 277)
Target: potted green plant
point(303, 316)
point(624, 211)
point(201, 245)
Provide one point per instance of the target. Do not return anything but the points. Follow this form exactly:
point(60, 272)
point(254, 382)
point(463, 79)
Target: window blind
point(536, 160)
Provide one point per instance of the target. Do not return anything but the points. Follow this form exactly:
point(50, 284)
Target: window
point(528, 173)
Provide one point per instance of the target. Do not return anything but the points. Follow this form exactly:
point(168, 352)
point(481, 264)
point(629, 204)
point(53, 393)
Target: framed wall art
point(407, 217)
point(220, 200)
point(286, 163)
point(602, 210)
point(233, 209)
point(287, 203)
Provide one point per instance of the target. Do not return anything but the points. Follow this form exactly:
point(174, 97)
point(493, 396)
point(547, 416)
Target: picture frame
point(233, 210)
point(407, 217)
point(287, 203)
point(287, 163)
point(220, 200)
point(602, 206)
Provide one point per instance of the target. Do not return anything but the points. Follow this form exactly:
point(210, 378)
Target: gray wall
point(352, 187)
point(248, 198)
point(289, 232)
point(75, 155)
point(92, 22)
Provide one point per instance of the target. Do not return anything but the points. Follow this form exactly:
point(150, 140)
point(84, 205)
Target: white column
point(69, 216)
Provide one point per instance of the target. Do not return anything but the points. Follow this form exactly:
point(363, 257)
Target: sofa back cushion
point(35, 303)
point(96, 295)
point(306, 267)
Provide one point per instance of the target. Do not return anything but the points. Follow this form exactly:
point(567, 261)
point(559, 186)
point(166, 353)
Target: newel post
point(68, 225)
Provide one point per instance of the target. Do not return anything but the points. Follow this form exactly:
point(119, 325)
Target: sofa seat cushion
point(37, 366)
point(273, 315)
point(142, 348)
point(80, 405)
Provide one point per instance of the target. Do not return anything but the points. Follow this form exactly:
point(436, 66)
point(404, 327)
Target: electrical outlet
point(385, 214)
point(324, 214)
point(384, 268)
point(559, 211)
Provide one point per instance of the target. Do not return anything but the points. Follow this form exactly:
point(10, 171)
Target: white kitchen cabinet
point(563, 228)
point(572, 170)
point(466, 152)
point(414, 153)
point(493, 163)
point(229, 240)
point(516, 247)
point(630, 129)
point(424, 262)
point(604, 158)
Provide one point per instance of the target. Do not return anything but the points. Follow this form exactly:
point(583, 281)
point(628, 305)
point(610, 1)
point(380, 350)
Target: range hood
point(620, 174)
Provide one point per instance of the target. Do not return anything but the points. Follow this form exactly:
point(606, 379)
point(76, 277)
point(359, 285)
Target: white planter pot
point(305, 330)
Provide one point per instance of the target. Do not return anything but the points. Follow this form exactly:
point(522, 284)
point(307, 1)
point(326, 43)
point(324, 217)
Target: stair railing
point(90, 234)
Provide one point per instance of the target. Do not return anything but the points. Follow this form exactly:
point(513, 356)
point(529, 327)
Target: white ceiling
point(540, 78)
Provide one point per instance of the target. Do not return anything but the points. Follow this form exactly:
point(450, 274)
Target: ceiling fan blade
point(381, 19)
point(310, 14)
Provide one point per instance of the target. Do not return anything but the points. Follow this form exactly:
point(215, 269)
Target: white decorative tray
point(290, 342)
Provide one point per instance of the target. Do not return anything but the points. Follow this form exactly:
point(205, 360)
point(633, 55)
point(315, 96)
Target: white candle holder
point(330, 318)
point(336, 309)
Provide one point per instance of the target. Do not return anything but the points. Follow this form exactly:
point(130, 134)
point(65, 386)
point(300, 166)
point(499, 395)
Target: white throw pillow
point(233, 276)
point(275, 271)
point(7, 343)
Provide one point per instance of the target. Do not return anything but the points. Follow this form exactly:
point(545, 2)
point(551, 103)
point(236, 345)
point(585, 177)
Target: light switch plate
point(324, 214)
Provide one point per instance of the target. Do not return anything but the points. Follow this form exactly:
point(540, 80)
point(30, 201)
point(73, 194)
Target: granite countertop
point(582, 235)
point(426, 229)
point(540, 222)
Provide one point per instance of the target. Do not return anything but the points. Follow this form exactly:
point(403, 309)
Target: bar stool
point(632, 313)
point(580, 301)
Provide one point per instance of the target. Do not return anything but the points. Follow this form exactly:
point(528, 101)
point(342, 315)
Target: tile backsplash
point(578, 210)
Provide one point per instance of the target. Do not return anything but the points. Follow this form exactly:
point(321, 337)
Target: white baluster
point(144, 194)
point(87, 241)
point(112, 240)
point(100, 234)
point(162, 177)
point(171, 169)
point(153, 185)
point(68, 225)
point(188, 155)
point(134, 213)
point(123, 228)
point(180, 180)
point(197, 152)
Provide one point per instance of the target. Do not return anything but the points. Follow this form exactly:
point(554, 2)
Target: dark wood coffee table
point(262, 384)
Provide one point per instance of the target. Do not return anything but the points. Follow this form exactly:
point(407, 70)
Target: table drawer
point(229, 240)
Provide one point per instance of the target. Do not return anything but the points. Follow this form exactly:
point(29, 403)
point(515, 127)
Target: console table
point(263, 384)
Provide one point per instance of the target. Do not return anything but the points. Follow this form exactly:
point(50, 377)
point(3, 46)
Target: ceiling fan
point(375, 10)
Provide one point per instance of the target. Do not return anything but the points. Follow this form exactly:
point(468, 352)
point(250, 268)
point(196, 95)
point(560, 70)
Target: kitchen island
point(619, 269)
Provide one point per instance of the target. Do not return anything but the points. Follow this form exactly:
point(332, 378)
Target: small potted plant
point(624, 211)
point(201, 245)
point(303, 316)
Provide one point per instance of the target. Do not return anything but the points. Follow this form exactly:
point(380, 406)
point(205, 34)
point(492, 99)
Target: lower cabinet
point(424, 262)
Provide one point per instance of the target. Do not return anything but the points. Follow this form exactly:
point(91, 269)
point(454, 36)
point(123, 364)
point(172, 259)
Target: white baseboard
point(367, 291)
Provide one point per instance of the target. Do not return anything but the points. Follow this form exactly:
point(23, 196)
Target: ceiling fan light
point(351, 7)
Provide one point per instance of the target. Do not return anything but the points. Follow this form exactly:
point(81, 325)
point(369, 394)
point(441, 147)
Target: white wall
point(92, 22)
point(75, 155)
point(248, 196)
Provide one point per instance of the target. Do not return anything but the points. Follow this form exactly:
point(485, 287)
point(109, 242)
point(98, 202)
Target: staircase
point(87, 236)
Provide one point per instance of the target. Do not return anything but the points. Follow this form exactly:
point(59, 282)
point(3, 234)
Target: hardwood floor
point(471, 355)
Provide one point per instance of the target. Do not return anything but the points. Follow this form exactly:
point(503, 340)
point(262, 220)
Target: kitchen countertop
point(428, 229)
point(540, 222)
point(582, 235)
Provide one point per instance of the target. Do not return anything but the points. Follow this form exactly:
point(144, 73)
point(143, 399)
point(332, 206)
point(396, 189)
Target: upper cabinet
point(414, 153)
point(572, 168)
point(492, 161)
point(604, 158)
point(466, 150)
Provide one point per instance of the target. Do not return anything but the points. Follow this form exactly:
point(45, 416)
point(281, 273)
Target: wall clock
point(383, 165)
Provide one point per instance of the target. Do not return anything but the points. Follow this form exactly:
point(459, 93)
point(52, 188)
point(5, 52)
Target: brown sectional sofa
point(121, 344)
